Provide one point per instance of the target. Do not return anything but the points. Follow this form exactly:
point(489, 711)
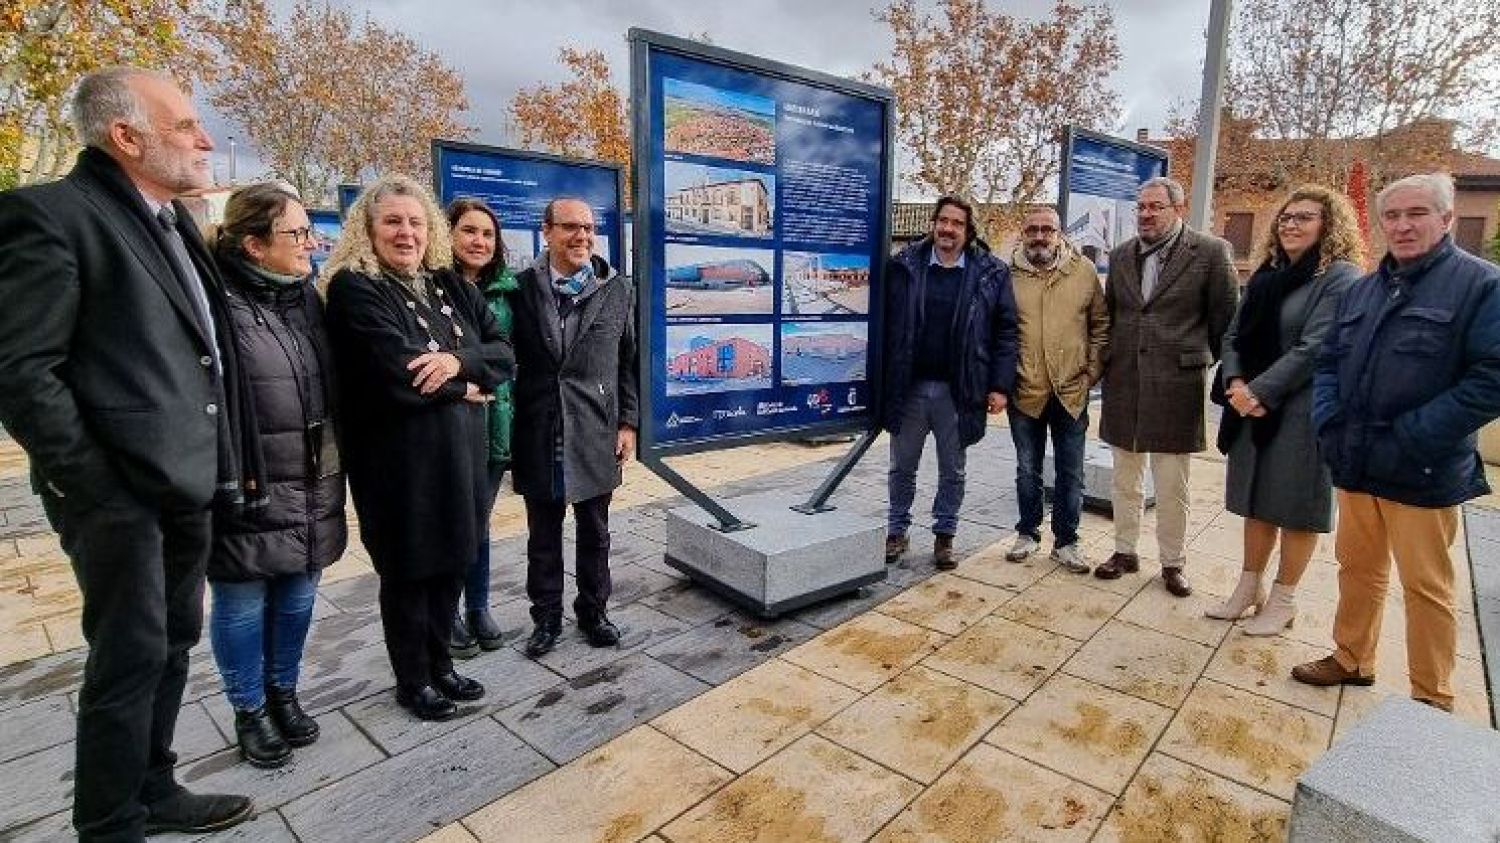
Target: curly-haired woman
point(1276, 480)
point(419, 354)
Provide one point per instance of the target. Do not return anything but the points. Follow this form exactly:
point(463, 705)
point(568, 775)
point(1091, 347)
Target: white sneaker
point(1069, 557)
point(1025, 546)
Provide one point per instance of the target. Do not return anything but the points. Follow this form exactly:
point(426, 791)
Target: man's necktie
point(193, 283)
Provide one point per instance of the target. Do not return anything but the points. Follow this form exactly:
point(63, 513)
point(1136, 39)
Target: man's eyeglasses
point(1039, 231)
point(1153, 207)
point(299, 235)
point(574, 227)
point(1298, 219)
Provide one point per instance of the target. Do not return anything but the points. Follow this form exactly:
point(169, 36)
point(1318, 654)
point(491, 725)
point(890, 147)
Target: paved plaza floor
point(999, 701)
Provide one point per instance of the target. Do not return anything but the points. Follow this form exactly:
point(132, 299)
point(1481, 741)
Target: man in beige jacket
point(1063, 330)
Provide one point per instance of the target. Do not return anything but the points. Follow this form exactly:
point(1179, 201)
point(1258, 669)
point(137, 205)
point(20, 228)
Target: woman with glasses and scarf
point(264, 567)
point(419, 356)
point(1276, 479)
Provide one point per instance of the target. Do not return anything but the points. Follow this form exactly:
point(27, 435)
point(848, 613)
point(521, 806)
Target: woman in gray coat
point(1276, 481)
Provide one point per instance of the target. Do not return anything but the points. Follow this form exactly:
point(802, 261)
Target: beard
point(1041, 256)
point(173, 168)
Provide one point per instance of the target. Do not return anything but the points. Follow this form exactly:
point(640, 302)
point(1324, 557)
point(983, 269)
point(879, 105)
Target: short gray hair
point(103, 97)
point(1438, 185)
point(1173, 187)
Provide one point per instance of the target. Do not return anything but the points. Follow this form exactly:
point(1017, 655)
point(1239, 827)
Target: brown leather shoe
point(1119, 563)
point(942, 552)
point(1176, 582)
point(1327, 671)
point(894, 547)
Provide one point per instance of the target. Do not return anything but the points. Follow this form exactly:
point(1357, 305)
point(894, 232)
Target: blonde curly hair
point(1340, 238)
point(354, 249)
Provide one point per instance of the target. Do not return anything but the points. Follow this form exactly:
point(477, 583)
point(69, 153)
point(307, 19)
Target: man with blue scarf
point(576, 417)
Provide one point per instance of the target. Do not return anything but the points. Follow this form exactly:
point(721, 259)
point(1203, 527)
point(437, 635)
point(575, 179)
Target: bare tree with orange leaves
point(982, 96)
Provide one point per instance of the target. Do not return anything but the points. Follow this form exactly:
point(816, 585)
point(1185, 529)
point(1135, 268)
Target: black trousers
point(544, 557)
point(141, 575)
point(417, 616)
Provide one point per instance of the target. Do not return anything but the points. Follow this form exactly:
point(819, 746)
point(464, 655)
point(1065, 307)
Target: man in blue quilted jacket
point(1405, 379)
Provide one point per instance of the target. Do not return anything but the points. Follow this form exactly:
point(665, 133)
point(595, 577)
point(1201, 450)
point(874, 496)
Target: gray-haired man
point(114, 381)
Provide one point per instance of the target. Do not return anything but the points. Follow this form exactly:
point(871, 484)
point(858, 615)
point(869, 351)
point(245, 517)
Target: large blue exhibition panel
point(763, 230)
point(517, 186)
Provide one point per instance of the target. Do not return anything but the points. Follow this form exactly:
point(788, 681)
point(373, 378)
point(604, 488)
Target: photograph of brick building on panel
point(715, 200)
point(717, 358)
point(723, 124)
point(712, 281)
point(817, 283)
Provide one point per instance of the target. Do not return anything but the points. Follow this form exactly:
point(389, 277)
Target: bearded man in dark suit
point(117, 377)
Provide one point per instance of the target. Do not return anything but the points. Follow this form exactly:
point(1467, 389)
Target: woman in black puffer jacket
point(265, 563)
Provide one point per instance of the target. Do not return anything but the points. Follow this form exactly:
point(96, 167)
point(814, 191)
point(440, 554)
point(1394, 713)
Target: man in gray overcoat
point(1171, 292)
point(576, 417)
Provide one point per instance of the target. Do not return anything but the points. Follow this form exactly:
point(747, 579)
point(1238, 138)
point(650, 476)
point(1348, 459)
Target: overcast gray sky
point(502, 47)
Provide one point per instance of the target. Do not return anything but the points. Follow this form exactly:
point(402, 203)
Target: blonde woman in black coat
point(419, 354)
point(264, 567)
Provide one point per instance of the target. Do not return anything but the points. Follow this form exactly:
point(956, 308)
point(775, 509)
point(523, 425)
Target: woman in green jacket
point(480, 258)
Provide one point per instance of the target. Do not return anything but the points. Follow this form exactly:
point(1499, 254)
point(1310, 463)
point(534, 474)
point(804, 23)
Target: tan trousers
point(1370, 530)
point(1170, 474)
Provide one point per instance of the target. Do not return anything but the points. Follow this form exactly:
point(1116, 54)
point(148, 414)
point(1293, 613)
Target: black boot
point(461, 642)
point(426, 703)
point(460, 688)
point(286, 712)
point(544, 638)
point(599, 629)
point(196, 813)
point(485, 630)
point(260, 743)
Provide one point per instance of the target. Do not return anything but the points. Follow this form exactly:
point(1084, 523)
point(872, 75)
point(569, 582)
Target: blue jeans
point(257, 630)
point(477, 579)
point(929, 408)
point(1030, 436)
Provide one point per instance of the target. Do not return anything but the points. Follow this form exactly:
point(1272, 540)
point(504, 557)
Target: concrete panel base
point(1405, 773)
point(786, 561)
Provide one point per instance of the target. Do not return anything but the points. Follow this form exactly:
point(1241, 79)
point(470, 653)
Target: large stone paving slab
point(417, 792)
point(724, 648)
point(1170, 800)
point(36, 785)
point(946, 603)
point(867, 651)
point(1141, 662)
point(1004, 656)
point(743, 722)
point(614, 794)
point(1068, 606)
point(1254, 740)
point(578, 715)
point(1086, 731)
point(918, 723)
point(36, 725)
point(993, 795)
point(1264, 666)
point(813, 790)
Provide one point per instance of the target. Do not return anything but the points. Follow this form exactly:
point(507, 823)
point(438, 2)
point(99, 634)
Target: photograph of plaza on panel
point(815, 283)
point(718, 200)
point(718, 358)
point(723, 124)
point(712, 280)
point(823, 352)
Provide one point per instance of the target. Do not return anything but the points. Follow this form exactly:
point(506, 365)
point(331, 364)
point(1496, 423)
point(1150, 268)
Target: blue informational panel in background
point(327, 226)
point(517, 186)
point(1101, 176)
point(347, 194)
point(761, 224)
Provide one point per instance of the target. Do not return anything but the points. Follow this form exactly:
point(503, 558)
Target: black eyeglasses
point(299, 235)
point(1300, 218)
point(1038, 230)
